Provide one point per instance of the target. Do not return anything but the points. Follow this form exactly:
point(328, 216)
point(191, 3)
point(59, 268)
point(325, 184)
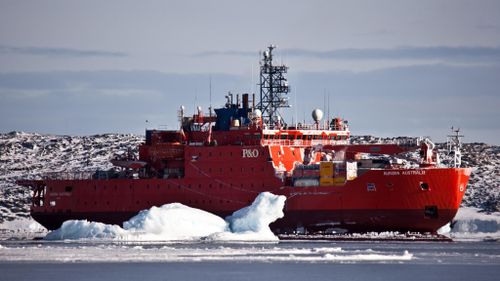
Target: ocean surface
point(283, 260)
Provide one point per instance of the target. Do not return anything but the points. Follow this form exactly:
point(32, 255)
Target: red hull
point(398, 203)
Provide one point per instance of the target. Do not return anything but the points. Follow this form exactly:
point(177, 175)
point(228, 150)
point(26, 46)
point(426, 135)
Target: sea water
point(283, 260)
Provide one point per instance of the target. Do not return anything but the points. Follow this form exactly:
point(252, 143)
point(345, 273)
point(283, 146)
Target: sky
point(392, 68)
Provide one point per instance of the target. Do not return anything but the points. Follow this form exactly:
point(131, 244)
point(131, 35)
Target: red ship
point(220, 161)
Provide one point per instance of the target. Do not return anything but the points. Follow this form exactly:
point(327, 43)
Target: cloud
point(398, 53)
point(89, 102)
point(489, 27)
point(225, 53)
point(58, 52)
point(410, 100)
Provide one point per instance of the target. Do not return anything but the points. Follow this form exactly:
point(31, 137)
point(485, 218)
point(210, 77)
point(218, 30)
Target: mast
point(273, 88)
point(454, 144)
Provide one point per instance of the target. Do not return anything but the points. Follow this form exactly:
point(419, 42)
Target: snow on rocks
point(30, 155)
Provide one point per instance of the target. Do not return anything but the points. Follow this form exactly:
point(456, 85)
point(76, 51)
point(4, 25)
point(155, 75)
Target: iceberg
point(83, 229)
point(252, 222)
point(173, 222)
point(176, 221)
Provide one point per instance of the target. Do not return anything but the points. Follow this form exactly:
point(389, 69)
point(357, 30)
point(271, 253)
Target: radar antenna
point(454, 144)
point(273, 88)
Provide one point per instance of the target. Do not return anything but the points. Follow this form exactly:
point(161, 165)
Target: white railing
point(303, 142)
point(68, 175)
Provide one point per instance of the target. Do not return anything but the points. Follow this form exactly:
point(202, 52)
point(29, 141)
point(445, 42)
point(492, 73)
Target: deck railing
point(96, 175)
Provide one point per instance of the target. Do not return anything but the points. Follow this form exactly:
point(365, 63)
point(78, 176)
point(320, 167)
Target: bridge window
point(68, 188)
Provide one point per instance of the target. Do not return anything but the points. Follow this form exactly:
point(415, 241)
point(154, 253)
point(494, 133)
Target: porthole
point(424, 186)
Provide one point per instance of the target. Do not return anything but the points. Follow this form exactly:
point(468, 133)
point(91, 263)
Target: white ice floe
point(119, 252)
point(406, 256)
point(21, 228)
point(471, 224)
point(179, 222)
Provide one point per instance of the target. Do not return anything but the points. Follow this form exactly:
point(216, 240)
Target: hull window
point(424, 186)
point(431, 212)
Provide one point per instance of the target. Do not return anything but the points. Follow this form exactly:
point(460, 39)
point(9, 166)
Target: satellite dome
point(317, 115)
point(257, 113)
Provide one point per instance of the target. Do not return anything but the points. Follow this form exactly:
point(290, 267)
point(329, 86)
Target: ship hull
point(379, 200)
point(312, 221)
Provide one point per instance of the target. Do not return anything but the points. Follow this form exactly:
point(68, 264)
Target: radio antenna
point(210, 94)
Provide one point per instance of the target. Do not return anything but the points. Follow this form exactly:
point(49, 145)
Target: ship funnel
point(245, 101)
point(317, 115)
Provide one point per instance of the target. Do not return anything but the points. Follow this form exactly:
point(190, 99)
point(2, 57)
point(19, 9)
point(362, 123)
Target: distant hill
point(29, 155)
